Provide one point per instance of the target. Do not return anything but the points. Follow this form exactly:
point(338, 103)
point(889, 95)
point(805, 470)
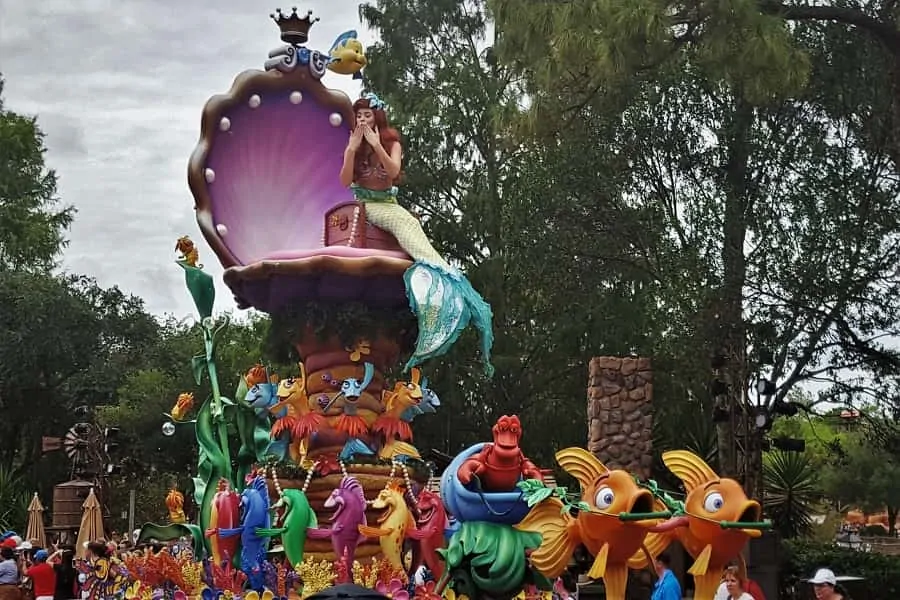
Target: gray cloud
point(118, 88)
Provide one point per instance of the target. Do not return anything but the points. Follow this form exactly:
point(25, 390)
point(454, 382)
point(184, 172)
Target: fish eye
point(605, 497)
point(713, 502)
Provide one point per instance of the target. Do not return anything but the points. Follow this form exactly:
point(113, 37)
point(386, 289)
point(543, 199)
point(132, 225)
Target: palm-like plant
point(791, 493)
point(14, 499)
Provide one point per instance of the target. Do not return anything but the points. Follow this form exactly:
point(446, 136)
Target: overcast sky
point(118, 87)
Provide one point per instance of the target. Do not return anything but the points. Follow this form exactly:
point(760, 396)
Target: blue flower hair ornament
point(375, 102)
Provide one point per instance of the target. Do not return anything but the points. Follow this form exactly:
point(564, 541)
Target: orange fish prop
point(183, 406)
point(717, 523)
point(613, 530)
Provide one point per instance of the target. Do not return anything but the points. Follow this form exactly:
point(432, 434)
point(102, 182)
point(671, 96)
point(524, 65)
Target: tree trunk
point(731, 327)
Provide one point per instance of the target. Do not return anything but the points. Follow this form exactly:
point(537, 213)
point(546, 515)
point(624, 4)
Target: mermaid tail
point(440, 296)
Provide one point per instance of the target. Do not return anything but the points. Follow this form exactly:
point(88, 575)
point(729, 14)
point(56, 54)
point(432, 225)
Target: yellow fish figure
point(718, 521)
point(612, 530)
point(348, 57)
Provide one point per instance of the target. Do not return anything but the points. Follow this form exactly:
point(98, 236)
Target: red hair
point(388, 135)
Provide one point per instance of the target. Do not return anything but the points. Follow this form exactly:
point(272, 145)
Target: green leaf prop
point(201, 286)
point(492, 555)
point(212, 464)
point(539, 496)
point(198, 366)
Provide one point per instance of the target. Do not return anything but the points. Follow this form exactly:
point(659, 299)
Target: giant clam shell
point(264, 175)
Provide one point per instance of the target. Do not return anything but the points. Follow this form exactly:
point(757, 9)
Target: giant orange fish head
point(609, 494)
point(715, 507)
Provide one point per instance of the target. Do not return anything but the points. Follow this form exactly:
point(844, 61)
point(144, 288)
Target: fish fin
point(689, 468)
point(342, 39)
point(261, 532)
point(615, 581)
point(581, 464)
point(227, 533)
point(654, 545)
point(701, 563)
point(374, 532)
point(315, 533)
point(559, 537)
point(598, 569)
point(706, 585)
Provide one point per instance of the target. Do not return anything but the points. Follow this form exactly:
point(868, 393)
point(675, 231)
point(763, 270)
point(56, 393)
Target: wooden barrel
point(68, 501)
point(373, 479)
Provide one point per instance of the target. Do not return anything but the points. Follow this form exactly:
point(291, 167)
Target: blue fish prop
point(354, 447)
point(254, 515)
point(261, 398)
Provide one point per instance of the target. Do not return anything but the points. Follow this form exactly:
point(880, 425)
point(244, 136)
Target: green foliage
point(32, 224)
point(490, 556)
point(865, 474)
point(792, 493)
point(349, 322)
point(65, 343)
point(14, 500)
point(801, 559)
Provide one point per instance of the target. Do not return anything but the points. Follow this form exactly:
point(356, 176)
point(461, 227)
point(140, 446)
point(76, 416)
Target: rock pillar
point(620, 413)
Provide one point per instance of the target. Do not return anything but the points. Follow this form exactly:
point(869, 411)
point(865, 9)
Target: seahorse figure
point(189, 253)
point(393, 524)
point(175, 504)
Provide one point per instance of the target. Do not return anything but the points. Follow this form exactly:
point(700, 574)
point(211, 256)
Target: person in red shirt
point(43, 577)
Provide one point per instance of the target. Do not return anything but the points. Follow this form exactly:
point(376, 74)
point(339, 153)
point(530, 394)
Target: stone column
point(620, 413)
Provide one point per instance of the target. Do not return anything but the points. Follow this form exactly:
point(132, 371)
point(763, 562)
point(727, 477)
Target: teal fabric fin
point(444, 304)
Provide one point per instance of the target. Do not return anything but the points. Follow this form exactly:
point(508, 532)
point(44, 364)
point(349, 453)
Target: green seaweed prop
point(214, 460)
point(173, 531)
point(489, 557)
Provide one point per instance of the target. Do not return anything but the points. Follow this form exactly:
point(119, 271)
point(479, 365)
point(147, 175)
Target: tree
point(32, 224)
point(65, 343)
point(866, 474)
point(498, 208)
point(791, 492)
point(769, 201)
point(577, 51)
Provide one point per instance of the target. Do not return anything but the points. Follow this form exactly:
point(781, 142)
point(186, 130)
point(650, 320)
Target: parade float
point(309, 478)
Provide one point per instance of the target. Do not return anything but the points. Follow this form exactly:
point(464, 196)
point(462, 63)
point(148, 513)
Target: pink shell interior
point(275, 176)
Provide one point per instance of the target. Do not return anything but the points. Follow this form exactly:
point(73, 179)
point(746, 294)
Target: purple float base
point(275, 286)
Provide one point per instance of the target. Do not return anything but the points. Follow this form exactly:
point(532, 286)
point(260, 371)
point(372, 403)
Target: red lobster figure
point(501, 464)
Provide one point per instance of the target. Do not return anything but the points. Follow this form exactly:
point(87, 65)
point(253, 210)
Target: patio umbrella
point(35, 532)
point(91, 524)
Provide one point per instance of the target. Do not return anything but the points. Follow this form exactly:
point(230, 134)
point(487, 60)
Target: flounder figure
point(603, 530)
point(347, 54)
point(717, 523)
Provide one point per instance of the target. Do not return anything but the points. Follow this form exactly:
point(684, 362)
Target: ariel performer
point(440, 296)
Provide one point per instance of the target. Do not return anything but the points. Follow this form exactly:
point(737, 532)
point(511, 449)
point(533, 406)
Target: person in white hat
point(824, 584)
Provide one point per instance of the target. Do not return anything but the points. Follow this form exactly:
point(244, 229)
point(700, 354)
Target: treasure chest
point(346, 225)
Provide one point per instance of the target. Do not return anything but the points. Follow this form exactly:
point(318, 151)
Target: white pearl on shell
point(210, 175)
point(223, 231)
point(255, 101)
point(296, 97)
point(335, 119)
point(225, 124)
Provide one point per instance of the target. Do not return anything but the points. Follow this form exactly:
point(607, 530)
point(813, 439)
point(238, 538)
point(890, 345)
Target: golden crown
point(294, 29)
